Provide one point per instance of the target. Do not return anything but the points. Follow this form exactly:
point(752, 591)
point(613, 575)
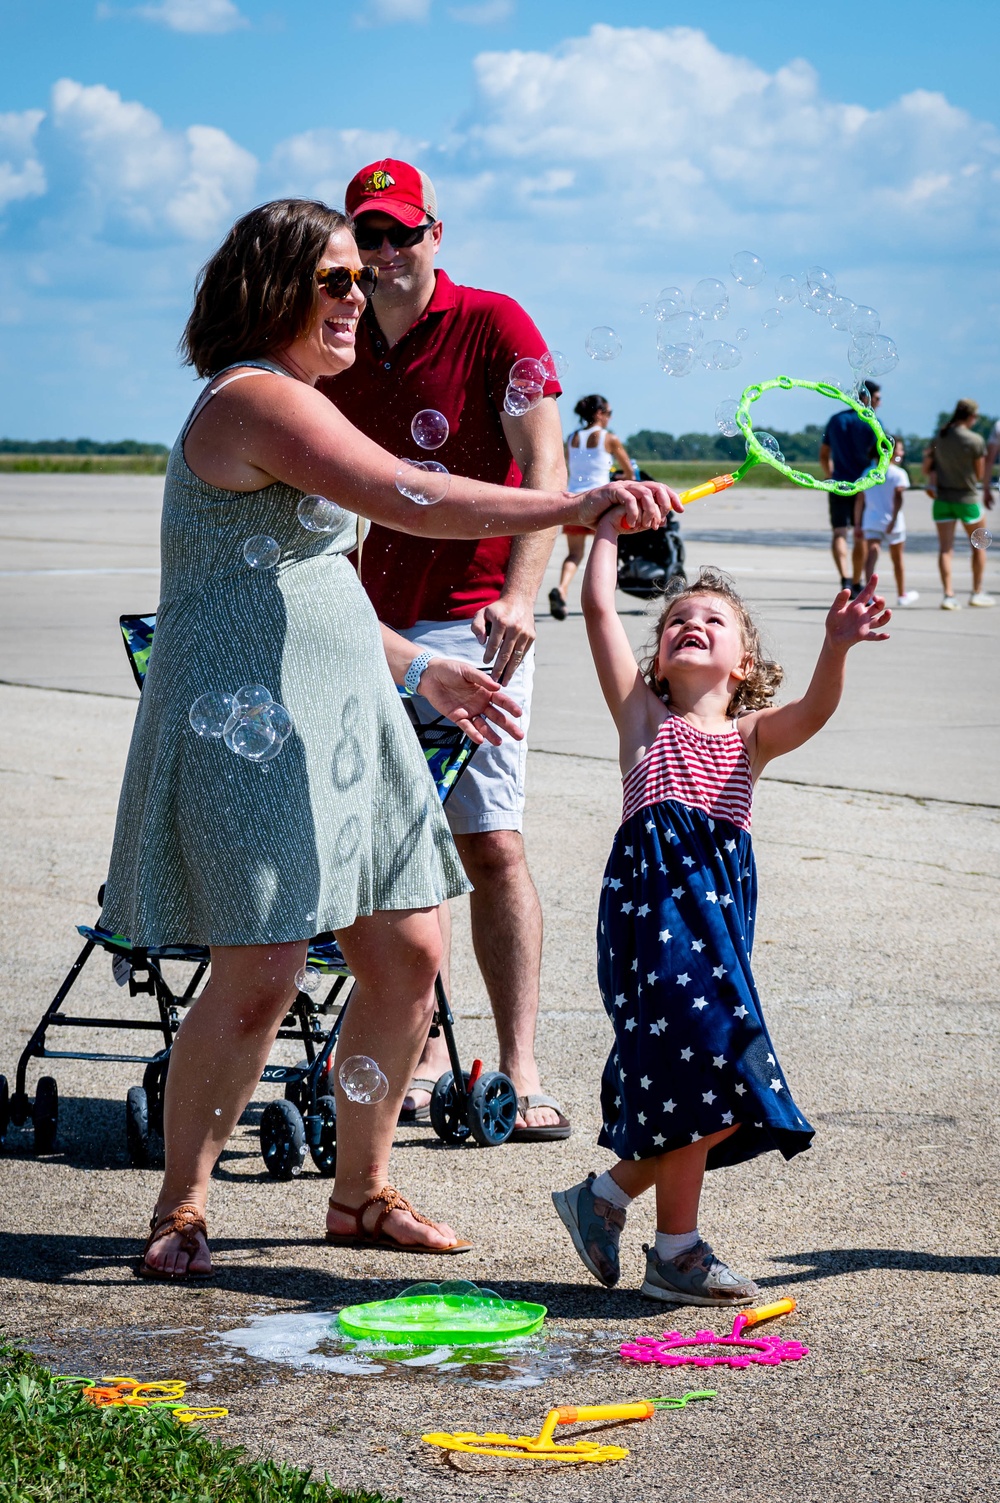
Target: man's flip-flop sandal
point(389, 1199)
point(553, 1134)
point(185, 1221)
point(410, 1115)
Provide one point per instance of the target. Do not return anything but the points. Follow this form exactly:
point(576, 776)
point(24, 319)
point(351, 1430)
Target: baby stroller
point(476, 1105)
point(647, 561)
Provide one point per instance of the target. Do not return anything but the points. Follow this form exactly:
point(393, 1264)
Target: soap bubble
point(528, 373)
point(317, 514)
point(861, 394)
point(681, 328)
point(261, 552)
point(858, 352)
point(209, 713)
point(747, 269)
point(429, 428)
point(786, 289)
point(645, 309)
point(676, 359)
point(709, 298)
point(820, 280)
point(554, 364)
point(839, 310)
point(424, 481)
point(883, 356)
point(521, 399)
point(362, 1080)
point(670, 300)
point(307, 980)
point(603, 343)
point(816, 299)
point(717, 355)
point(863, 320)
point(250, 735)
point(981, 537)
point(770, 318)
point(251, 697)
point(725, 416)
point(279, 720)
point(742, 334)
point(769, 444)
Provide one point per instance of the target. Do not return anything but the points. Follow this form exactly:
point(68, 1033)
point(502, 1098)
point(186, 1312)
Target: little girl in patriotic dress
point(693, 1080)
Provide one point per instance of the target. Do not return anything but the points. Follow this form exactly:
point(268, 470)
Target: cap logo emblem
point(378, 181)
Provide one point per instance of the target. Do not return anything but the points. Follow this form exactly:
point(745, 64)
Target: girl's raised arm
point(774, 732)
point(622, 684)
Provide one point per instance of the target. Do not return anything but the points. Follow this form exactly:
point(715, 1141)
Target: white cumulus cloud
point(21, 172)
point(198, 17)
point(161, 182)
point(320, 163)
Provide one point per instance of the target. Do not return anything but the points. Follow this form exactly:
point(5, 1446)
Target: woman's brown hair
point(965, 408)
point(758, 689)
point(258, 291)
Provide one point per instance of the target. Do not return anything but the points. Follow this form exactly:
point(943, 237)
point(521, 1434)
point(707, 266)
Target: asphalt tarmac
point(877, 961)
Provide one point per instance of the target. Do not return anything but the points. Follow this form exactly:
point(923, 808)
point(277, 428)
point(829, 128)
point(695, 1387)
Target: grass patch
point(55, 1447)
point(681, 473)
point(83, 464)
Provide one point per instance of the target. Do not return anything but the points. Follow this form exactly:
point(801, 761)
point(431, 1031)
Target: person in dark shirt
point(845, 454)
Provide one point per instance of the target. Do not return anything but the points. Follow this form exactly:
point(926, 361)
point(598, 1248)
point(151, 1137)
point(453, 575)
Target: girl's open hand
point(644, 504)
point(852, 621)
point(471, 699)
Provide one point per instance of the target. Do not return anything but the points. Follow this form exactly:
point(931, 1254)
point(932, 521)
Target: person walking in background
point(882, 522)
point(845, 454)
point(955, 466)
point(425, 343)
point(992, 455)
point(590, 452)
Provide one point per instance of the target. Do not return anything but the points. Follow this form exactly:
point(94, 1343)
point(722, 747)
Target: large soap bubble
point(863, 320)
point(554, 364)
point(529, 373)
point(317, 514)
point(839, 310)
point(676, 359)
point(251, 697)
point(424, 481)
point(786, 289)
point(882, 357)
point(261, 552)
point(209, 713)
point(818, 279)
point(717, 355)
point(429, 428)
point(816, 299)
point(709, 298)
point(307, 980)
point(770, 318)
point(250, 734)
point(981, 537)
point(770, 445)
point(362, 1080)
point(681, 328)
point(670, 300)
point(725, 416)
point(603, 343)
point(521, 399)
point(748, 269)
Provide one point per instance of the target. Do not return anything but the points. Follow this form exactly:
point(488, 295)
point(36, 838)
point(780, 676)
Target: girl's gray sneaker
point(595, 1226)
point(695, 1277)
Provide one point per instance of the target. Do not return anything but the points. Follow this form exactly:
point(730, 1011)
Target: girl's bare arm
point(632, 704)
point(772, 733)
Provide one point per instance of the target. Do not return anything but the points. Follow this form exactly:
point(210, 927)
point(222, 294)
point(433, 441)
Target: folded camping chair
point(478, 1105)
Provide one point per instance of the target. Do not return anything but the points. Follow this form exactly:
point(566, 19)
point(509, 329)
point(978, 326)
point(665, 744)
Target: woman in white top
point(590, 452)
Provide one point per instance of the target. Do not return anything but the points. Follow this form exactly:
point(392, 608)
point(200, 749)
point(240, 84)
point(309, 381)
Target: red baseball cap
point(393, 188)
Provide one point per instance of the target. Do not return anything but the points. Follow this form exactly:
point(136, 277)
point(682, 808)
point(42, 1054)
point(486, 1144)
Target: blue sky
point(581, 166)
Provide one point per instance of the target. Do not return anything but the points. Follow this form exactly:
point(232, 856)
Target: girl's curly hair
point(758, 688)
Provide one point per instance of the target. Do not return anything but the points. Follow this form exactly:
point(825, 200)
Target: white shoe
point(910, 597)
point(981, 598)
point(949, 603)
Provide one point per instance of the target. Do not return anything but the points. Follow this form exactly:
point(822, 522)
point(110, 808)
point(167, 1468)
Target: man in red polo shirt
point(425, 343)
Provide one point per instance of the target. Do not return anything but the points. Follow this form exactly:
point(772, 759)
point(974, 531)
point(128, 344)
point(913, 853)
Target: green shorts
point(956, 511)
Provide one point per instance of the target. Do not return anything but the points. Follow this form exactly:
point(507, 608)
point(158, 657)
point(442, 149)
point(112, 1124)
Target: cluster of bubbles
point(869, 352)
point(527, 377)
point(981, 537)
point(680, 337)
point(252, 724)
point(362, 1080)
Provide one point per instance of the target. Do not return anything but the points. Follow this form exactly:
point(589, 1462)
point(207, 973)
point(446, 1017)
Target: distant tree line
point(78, 446)
point(796, 447)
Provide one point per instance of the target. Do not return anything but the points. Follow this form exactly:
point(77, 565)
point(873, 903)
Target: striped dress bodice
point(704, 772)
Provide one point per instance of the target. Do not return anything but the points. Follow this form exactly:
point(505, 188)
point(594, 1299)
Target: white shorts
point(877, 535)
point(490, 793)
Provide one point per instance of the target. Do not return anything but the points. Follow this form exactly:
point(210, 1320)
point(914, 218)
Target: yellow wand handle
point(768, 1312)
point(709, 488)
point(572, 1414)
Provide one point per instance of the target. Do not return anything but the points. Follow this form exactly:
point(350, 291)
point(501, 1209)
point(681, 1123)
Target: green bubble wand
point(757, 453)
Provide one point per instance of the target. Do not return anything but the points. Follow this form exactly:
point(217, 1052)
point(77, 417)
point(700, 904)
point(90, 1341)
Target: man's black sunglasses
point(398, 236)
point(337, 281)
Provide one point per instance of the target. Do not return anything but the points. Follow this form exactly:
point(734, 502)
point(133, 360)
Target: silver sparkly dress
point(213, 849)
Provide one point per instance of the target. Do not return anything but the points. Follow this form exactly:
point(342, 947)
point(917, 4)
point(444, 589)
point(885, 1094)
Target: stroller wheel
point(282, 1139)
point(449, 1117)
point(45, 1114)
point(137, 1127)
point(4, 1107)
point(323, 1150)
point(154, 1080)
point(492, 1109)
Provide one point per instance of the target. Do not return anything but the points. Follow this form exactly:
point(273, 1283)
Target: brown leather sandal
point(186, 1221)
point(389, 1199)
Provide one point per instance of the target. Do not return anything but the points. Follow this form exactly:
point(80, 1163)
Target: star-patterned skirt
point(692, 1053)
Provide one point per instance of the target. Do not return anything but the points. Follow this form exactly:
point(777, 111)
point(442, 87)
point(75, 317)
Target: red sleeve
point(513, 335)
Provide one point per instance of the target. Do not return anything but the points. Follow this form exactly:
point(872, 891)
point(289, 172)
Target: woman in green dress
point(343, 830)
